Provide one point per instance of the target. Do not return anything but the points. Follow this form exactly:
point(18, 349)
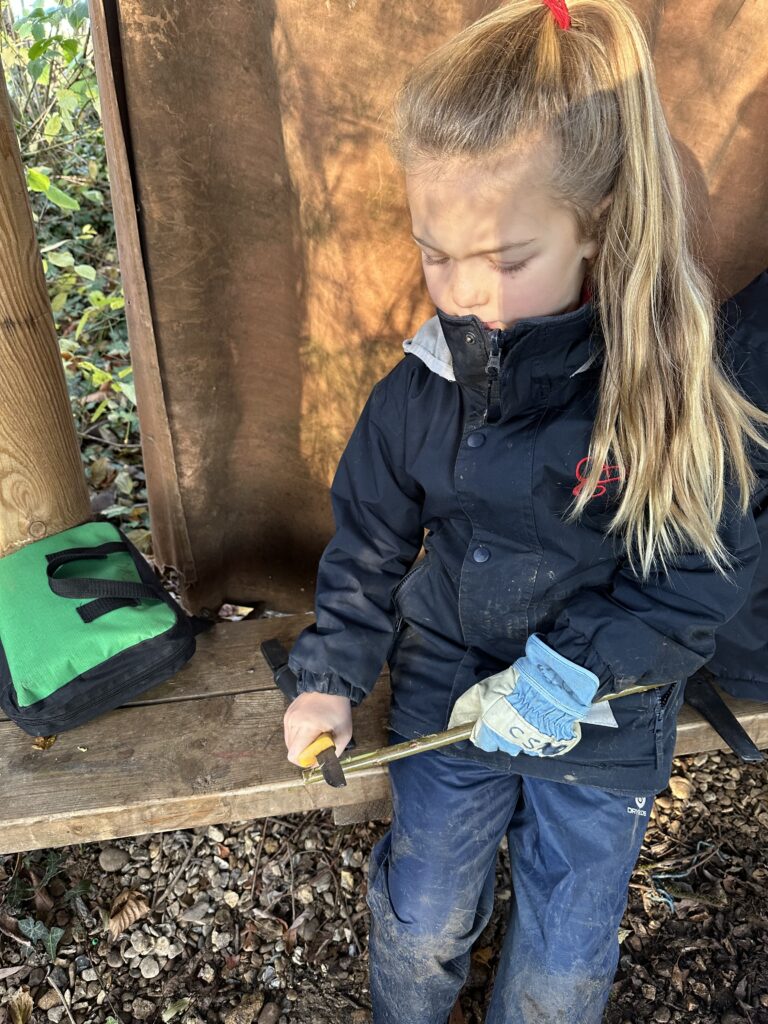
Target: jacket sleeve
point(377, 512)
point(635, 634)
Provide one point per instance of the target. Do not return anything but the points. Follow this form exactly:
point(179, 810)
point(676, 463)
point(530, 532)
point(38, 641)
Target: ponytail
point(668, 415)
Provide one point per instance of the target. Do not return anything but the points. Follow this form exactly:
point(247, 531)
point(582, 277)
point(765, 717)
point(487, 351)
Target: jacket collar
point(459, 348)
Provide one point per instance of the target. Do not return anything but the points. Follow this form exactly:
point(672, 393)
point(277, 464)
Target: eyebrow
point(484, 252)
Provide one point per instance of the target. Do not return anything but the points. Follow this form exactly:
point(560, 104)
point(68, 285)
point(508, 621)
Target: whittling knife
point(321, 752)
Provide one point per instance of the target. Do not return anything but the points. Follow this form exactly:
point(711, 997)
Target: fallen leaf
point(678, 978)
point(265, 915)
point(142, 539)
point(291, 935)
point(178, 1007)
point(99, 470)
point(21, 1006)
point(248, 937)
point(234, 612)
point(43, 742)
point(96, 396)
point(43, 900)
point(8, 972)
point(246, 1012)
point(33, 929)
point(128, 907)
point(268, 926)
point(10, 927)
point(124, 482)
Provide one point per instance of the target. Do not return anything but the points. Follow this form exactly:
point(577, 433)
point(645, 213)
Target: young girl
point(563, 439)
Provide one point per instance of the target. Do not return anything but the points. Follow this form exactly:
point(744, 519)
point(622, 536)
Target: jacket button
point(475, 439)
point(481, 554)
point(470, 339)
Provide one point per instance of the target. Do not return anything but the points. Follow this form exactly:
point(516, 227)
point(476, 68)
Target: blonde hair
point(669, 413)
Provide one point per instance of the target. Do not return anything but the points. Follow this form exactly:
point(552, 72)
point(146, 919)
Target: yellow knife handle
point(308, 756)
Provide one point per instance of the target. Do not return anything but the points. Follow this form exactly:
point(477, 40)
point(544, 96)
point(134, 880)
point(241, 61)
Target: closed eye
point(502, 268)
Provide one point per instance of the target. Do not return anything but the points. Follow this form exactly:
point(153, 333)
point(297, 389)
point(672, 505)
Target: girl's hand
point(312, 713)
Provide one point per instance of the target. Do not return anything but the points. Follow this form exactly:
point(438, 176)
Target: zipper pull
point(493, 365)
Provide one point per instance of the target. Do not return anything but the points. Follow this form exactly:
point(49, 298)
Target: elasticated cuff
point(325, 682)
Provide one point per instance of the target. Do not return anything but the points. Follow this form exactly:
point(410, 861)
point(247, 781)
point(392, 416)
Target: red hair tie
point(560, 11)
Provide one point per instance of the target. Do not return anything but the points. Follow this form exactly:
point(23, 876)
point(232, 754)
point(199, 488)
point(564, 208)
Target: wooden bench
point(207, 747)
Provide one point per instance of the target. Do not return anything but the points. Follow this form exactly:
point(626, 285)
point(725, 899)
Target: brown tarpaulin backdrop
point(264, 241)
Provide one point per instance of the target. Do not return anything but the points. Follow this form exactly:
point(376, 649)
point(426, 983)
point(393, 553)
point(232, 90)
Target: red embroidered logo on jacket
point(608, 475)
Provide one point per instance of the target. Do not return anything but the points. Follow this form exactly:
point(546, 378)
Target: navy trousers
point(431, 889)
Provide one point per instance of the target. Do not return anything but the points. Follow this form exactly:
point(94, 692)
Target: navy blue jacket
point(480, 439)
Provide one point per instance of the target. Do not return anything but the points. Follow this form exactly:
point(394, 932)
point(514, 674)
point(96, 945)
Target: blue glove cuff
point(552, 693)
point(563, 682)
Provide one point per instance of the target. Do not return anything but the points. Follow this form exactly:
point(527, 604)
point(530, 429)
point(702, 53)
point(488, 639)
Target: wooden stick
point(377, 758)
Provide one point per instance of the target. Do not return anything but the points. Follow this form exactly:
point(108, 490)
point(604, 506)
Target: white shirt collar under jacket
point(429, 344)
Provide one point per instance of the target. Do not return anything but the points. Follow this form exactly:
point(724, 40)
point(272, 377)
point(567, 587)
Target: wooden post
point(42, 485)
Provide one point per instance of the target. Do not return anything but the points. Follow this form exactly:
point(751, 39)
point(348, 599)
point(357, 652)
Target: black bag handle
point(90, 587)
point(112, 594)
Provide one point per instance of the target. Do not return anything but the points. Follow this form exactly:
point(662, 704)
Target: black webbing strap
point(92, 587)
point(76, 554)
point(108, 594)
point(702, 695)
point(95, 609)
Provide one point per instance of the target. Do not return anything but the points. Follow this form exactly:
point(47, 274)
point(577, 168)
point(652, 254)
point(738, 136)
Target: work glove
point(534, 706)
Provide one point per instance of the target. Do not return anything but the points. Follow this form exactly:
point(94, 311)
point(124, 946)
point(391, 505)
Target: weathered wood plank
point(169, 529)
point(188, 763)
point(694, 735)
point(207, 747)
point(166, 766)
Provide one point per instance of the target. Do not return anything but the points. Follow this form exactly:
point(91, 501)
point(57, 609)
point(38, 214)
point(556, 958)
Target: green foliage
point(17, 892)
point(79, 890)
point(36, 931)
point(47, 58)
point(39, 867)
point(52, 865)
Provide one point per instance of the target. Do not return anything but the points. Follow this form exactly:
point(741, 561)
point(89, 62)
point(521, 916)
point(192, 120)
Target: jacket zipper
point(492, 370)
point(665, 696)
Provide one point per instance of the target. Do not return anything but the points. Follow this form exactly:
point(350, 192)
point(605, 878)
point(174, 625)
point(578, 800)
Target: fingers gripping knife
point(322, 751)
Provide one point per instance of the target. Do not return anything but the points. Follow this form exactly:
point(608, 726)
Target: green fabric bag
point(85, 624)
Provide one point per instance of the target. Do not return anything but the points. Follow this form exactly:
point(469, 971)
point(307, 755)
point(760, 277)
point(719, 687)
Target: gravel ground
point(265, 922)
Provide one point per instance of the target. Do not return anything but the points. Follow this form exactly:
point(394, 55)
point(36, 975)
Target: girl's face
point(493, 242)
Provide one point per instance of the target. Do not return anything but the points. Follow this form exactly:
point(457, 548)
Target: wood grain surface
point(204, 748)
point(42, 485)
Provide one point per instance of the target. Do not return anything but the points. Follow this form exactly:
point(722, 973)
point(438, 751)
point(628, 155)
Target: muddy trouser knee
point(431, 881)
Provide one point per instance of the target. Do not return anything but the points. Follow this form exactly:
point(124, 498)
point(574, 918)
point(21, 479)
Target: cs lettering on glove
point(532, 707)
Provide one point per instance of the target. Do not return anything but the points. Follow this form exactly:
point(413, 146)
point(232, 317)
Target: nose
point(467, 290)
